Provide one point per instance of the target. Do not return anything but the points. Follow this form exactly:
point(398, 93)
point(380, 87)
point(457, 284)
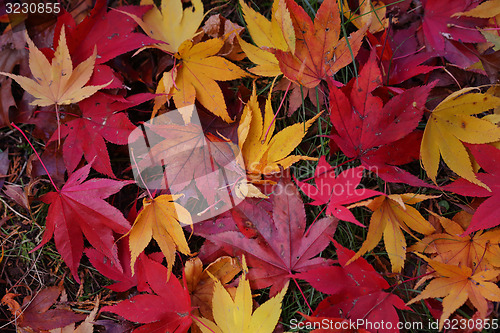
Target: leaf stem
point(482, 257)
point(276, 114)
point(201, 323)
point(330, 169)
point(39, 158)
point(411, 279)
point(309, 229)
point(58, 126)
point(139, 173)
point(303, 296)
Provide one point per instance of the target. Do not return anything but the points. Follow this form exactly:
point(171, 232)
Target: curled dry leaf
point(217, 26)
point(200, 282)
point(14, 307)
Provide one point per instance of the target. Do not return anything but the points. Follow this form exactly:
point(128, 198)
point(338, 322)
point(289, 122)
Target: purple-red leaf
point(78, 210)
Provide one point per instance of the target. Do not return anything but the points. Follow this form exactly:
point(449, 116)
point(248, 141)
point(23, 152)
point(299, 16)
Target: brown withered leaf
point(218, 26)
point(12, 53)
point(14, 307)
point(87, 326)
point(4, 166)
point(201, 285)
point(17, 194)
point(39, 317)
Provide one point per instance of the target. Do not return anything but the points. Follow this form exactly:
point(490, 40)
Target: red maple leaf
point(318, 51)
point(377, 134)
point(99, 120)
point(112, 33)
point(166, 310)
point(78, 209)
point(278, 244)
point(123, 272)
point(356, 291)
point(397, 68)
point(446, 34)
point(336, 191)
point(488, 213)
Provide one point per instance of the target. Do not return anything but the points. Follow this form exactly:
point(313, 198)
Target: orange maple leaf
point(318, 51)
point(160, 219)
point(391, 215)
point(459, 284)
point(196, 75)
point(480, 249)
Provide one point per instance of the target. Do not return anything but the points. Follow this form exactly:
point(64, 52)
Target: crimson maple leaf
point(99, 120)
point(356, 291)
point(111, 32)
point(123, 272)
point(275, 243)
point(78, 209)
point(166, 310)
point(488, 213)
point(446, 34)
point(336, 191)
point(379, 135)
point(397, 68)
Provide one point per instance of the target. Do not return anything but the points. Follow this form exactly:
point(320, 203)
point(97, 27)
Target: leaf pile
point(301, 162)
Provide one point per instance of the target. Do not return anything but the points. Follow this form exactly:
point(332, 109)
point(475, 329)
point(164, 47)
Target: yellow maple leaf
point(196, 75)
point(57, 83)
point(452, 123)
point(159, 219)
point(235, 315)
point(480, 249)
point(263, 152)
point(172, 25)
point(459, 284)
point(278, 33)
point(391, 215)
point(371, 13)
point(485, 10)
